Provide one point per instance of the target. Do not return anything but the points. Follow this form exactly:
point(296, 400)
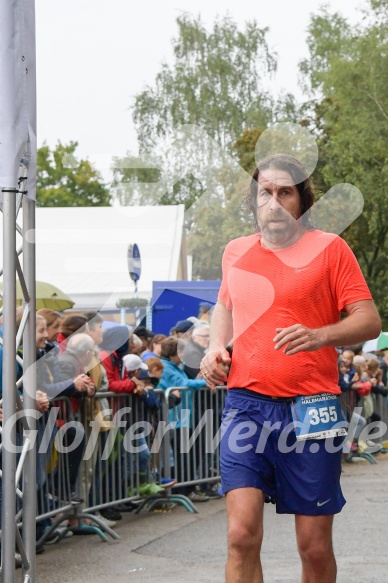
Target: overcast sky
point(93, 56)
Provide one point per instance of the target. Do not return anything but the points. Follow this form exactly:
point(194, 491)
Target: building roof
point(83, 250)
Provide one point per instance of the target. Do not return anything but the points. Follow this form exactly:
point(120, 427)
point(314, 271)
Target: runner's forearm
point(221, 330)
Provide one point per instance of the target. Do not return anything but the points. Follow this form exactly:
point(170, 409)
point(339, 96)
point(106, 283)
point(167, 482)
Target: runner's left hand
point(298, 338)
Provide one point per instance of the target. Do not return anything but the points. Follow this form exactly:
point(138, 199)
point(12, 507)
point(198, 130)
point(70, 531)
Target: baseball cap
point(133, 362)
point(143, 374)
point(183, 325)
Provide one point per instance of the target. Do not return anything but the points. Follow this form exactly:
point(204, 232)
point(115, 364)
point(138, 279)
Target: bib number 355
point(323, 415)
point(317, 416)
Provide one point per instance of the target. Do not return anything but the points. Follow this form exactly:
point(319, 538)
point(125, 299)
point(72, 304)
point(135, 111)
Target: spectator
point(91, 471)
point(133, 366)
point(135, 345)
point(180, 416)
point(53, 321)
point(375, 375)
point(195, 349)
point(155, 367)
point(194, 352)
point(145, 336)
point(73, 362)
point(350, 382)
point(155, 348)
point(384, 367)
point(182, 329)
point(114, 346)
point(71, 325)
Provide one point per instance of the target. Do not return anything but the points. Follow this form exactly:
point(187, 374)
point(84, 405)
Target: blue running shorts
point(259, 450)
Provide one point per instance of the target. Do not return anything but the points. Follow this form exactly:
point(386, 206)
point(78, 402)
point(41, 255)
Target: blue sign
point(134, 262)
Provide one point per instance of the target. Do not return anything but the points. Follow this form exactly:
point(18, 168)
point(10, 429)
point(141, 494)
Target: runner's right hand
point(212, 372)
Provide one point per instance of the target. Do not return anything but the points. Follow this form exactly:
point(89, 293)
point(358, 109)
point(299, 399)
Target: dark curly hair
point(300, 178)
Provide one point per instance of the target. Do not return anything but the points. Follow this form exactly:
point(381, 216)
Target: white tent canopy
point(83, 250)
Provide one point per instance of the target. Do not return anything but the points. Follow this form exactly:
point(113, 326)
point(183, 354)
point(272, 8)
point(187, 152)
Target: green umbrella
point(379, 343)
point(47, 296)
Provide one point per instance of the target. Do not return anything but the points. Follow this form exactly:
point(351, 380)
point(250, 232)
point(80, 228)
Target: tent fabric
point(83, 250)
point(17, 92)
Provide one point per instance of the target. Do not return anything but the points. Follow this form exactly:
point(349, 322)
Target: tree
point(348, 75)
point(214, 82)
point(218, 221)
point(62, 180)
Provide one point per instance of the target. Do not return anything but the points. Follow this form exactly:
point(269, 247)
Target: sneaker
point(210, 493)
point(198, 497)
point(75, 498)
point(57, 535)
point(374, 444)
point(126, 506)
point(106, 521)
point(167, 482)
point(110, 514)
point(39, 549)
point(150, 489)
point(368, 446)
point(52, 538)
point(61, 529)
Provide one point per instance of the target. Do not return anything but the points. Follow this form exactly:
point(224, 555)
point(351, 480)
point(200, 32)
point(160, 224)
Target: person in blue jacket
point(181, 415)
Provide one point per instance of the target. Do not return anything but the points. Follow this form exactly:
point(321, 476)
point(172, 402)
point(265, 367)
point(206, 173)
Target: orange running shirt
point(308, 283)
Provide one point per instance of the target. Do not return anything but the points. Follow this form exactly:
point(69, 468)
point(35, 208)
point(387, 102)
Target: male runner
point(282, 293)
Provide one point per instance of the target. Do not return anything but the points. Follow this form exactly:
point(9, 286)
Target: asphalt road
point(180, 547)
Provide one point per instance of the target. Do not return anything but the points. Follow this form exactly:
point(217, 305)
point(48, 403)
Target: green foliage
point(214, 226)
point(245, 148)
point(62, 180)
point(348, 71)
point(215, 82)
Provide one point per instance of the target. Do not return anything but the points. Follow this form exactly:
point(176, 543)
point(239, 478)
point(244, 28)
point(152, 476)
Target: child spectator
point(181, 417)
point(133, 366)
point(155, 367)
point(155, 347)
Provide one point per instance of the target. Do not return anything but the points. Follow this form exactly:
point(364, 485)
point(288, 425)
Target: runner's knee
point(315, 551)
point(244, 537)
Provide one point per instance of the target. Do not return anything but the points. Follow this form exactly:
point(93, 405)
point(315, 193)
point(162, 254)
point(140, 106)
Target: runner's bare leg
point(245, 535)
point(315, 545)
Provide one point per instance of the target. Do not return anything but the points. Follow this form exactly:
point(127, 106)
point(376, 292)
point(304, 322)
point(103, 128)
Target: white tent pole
point(9, 388)
point(17, 139)
point(29, 385)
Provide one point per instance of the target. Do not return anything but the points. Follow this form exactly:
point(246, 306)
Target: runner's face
point(278, 205)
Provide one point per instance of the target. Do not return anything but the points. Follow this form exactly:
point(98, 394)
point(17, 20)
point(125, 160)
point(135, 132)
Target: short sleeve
point(223, 294)
point(347, 279)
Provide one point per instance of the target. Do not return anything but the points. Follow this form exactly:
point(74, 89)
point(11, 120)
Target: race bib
point(317, 416)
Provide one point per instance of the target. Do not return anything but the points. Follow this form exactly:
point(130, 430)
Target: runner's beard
point(279, 232)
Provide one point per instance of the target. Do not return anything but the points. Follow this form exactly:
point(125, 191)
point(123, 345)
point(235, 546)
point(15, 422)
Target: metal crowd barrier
point(97, 453)
point(381, 408)
point(193, 452)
